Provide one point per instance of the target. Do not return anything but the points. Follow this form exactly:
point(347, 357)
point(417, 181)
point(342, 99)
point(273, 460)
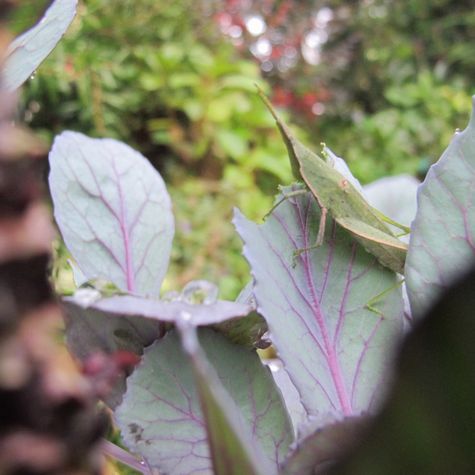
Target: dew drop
point(186, 316)
point(457, 131)
point(199, 292)
point(171, 296)
point(274, 366)
point(86, 296)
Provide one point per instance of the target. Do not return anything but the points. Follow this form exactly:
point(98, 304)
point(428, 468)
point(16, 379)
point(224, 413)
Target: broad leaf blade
point(428, 421)
point(336, 351)
point(395, 196)
point(297, 413)
point(237, 320)
point(30, 49)
point(113, 211)
point(160, 416)
point(232, 450)
point(200, 314)
point(442, 243)
point(90, 331)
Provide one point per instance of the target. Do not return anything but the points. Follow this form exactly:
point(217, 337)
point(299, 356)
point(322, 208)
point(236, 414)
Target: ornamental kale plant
point(199, 399)
point(200, 396)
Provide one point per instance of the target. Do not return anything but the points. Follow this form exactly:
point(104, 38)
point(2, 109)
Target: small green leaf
point(243, 83)
point(249, 330)
point(232, 143)
point(219, 110)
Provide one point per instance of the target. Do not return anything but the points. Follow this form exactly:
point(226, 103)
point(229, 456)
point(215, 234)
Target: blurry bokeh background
point(383, 83)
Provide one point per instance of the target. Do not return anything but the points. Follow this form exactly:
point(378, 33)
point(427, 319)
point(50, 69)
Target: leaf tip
point(237, 216)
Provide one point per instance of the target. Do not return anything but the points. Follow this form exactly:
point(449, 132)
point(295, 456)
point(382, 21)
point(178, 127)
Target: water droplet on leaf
point(86, 296)
point(171, 296)
point(186, 316)
point(200, 292)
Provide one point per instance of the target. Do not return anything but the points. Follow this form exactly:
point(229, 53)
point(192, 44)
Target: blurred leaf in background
point(381, 82)
point(384, 84)
point(160, 77)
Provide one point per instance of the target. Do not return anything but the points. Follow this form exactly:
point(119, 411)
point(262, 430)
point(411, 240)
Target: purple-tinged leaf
point(442, 243)
point(200, 314)
point(232, 447)
point(319, 450)
point(237, 320)
point(90, 331)
point(335, 349)
point(427, 424)
point(161, 417)
point(297, 413)
point(248, 331)
point(113, 211)
point(396, 197)
point(29, 50)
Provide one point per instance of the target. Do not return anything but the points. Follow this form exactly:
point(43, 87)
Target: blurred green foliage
point(408, 134)
point(394, 81)
point(400, 76)
point(384, 83)
point(157, 76)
